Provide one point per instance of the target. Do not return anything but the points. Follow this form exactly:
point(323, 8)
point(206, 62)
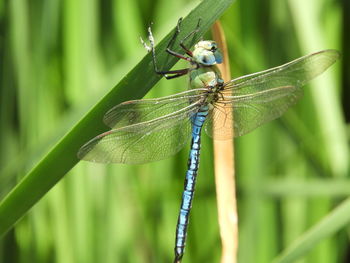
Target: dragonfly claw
point(149, 47)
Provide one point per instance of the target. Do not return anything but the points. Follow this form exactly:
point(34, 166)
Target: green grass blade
point(333, 222)
point(134, 85)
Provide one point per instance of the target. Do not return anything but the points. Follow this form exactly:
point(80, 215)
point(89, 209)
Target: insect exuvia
point(153, 129)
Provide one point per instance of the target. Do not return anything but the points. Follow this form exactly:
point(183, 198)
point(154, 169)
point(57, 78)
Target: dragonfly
point(149, 130)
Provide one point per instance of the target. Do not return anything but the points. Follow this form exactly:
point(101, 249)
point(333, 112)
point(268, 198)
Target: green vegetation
point(59, 59)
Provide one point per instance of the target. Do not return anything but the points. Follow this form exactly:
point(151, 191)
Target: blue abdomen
point(193, 163)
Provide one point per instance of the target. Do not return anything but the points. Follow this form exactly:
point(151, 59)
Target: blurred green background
point(58, 58)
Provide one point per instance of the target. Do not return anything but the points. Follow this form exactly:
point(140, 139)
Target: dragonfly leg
point(176, 33)
point(173, 39)
point(176, 73)
point(175, 54)
point(150, 48)
point(189, 52)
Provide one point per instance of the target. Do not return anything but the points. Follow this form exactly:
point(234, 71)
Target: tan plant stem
point(224, 171)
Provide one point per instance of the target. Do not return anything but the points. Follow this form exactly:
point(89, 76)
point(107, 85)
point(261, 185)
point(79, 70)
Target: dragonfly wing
point(255, 99)
point(137, 111)
point(142, 142)
point(219, 125)
point(250, 111)
point(295, 73)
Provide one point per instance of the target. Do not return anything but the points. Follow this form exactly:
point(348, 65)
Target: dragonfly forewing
point(255, 99)
point(138, 111)
point(295, 73)
point(142, 142)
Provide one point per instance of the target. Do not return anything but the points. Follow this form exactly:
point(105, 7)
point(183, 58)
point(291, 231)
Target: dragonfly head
point(207, 53)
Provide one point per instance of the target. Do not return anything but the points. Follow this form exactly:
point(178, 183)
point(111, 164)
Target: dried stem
point(224, 171)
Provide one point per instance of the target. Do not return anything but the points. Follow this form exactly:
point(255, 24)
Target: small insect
point(154, 129)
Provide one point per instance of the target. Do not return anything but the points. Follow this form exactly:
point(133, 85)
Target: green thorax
point(205, 76)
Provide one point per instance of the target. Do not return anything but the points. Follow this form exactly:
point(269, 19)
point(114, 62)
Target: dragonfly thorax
point(206, 53)
point(205, 77)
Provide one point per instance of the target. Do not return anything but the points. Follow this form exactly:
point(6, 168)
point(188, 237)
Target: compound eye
point(207, 59)
point(214, 47)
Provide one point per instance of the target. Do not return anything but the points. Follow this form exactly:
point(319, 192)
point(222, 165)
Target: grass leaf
point(333, 222)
